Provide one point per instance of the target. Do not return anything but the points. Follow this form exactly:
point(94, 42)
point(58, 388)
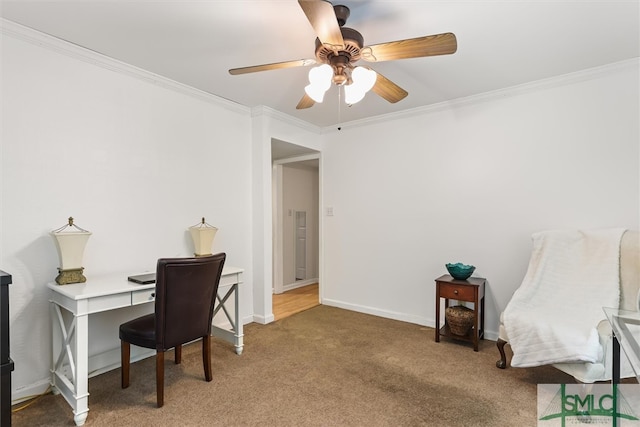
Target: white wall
point(134, 161)
point(470, 181)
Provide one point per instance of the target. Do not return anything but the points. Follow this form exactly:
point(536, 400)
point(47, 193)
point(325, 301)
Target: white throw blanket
point(552, 317)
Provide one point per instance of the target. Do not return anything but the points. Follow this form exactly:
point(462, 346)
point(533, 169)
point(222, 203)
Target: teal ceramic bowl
point(460, 271)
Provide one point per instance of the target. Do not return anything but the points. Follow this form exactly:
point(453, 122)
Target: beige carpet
point(322, 367)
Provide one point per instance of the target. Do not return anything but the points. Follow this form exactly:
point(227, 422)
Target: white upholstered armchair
point(557, 315)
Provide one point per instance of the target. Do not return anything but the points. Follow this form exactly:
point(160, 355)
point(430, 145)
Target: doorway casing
point(278, 220)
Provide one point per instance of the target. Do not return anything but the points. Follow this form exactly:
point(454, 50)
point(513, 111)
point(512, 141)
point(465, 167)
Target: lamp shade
point(202, 235)
point(70, 241)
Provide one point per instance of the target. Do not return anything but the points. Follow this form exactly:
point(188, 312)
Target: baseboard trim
point(404, 317)
point(263, 320)
point(393, 315)
point(30, 391)
point(98, 364)
point(299, 284)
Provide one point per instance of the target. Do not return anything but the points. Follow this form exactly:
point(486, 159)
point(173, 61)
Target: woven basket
point(460, 319)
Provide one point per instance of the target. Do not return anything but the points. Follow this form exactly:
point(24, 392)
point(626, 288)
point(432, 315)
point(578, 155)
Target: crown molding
point(63, 47)
point(80, 53)
point(551, 82)
point(262, 110)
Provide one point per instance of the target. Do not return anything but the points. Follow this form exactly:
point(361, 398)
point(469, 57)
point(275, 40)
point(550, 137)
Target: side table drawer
point(457, 292)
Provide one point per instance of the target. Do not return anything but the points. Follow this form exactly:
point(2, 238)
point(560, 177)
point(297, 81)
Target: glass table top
point(626, 326)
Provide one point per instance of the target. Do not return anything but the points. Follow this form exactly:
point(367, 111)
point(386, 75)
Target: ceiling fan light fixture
point(363, 80)
point(353, 95)
point(319, 82)
point(339, 48)
point(316, 93)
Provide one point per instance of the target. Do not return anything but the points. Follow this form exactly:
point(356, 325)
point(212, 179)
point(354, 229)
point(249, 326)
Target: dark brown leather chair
point(186, 290)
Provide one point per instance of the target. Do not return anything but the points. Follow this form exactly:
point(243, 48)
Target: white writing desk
point(70, 363)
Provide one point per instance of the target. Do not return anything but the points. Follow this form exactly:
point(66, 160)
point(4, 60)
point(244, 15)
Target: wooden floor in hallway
point(295, 301)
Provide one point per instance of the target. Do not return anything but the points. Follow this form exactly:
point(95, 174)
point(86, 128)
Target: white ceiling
point(500, 44)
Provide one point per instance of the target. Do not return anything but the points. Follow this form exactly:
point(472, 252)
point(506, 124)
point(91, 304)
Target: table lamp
point(70, 241)
point(202, 235)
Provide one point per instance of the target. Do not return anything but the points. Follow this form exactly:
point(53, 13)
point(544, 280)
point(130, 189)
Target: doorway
point(296, 224)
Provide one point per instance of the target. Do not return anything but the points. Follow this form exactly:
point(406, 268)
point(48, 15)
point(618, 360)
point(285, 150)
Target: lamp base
point(201, 255)
point(67, 277)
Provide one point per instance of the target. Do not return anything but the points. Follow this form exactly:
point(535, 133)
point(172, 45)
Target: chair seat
point(140, 331)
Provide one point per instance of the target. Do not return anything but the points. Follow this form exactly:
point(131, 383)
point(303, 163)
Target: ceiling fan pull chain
point(340, 88)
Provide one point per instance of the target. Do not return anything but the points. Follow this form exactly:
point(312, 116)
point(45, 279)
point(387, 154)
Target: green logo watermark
point(595, 404)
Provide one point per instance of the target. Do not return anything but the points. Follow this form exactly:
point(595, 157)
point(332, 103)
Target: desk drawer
point(457, 292)
point(107, 302)
point(140, 297)
point(230, 279)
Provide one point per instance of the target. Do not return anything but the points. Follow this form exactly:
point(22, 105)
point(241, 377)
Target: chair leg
point(160, 378)
point(206, 357)
point(502, 363)
point(125, 362)
point(178, 351)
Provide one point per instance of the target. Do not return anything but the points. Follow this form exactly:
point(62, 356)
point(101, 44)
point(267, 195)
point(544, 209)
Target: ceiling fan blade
point(274, 66)
point(323, 19)
point(438, 44)
point(388, 90)
point(305, 102)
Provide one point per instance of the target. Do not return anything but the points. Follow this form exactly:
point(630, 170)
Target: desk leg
point(239, 336)
point(81, 409)
point(235, 335)
point(70, 364)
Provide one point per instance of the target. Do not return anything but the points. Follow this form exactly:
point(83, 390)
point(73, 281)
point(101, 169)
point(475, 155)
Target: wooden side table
point(470, 290)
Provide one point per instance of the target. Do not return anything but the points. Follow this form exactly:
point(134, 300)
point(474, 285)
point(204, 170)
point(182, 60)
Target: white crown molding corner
point(37, 38)
point(262, 110)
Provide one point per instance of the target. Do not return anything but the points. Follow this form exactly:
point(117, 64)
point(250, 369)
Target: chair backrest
point(186, 290)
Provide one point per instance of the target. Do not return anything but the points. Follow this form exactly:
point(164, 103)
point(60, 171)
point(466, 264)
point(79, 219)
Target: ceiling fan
point(338, 48)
